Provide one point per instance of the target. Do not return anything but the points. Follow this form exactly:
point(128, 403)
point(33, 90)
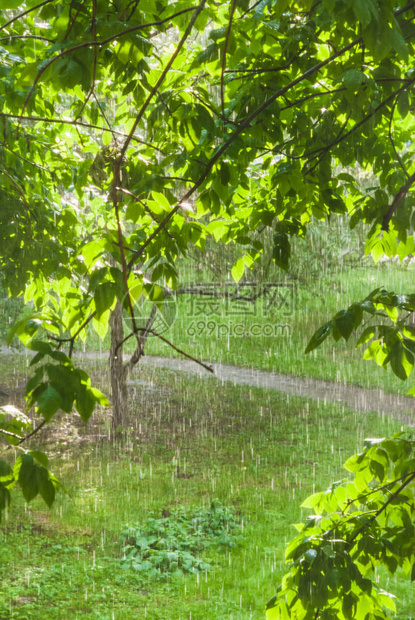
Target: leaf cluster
point(356, 526)
point(174, 543)
point(388, 335)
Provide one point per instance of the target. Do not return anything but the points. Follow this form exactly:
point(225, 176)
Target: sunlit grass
point(213, 337)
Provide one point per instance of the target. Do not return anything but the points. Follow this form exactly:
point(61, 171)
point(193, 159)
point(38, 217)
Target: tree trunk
point(118, 373)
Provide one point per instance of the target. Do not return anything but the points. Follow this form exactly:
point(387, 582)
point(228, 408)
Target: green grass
point(211, 337)
point(189, 441)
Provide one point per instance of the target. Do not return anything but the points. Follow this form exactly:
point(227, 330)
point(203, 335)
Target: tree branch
point(243, 125)
point(36, 430)
point(97, 43)
point(397, 201)
point(225, 49)
point(151, 331)
point(9, 434)
point(68, 121)
point(14, 19)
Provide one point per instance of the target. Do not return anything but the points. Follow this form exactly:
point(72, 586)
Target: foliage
point(133, 132)
point(356, 527)
point(10, 311)
point(174, 542)
point(384, 343)
point(30, 469)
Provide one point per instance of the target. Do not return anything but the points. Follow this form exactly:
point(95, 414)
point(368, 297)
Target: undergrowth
point(174, 542)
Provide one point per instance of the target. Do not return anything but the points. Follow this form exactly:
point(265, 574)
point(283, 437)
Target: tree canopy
point(132, 131)
point(135, 131)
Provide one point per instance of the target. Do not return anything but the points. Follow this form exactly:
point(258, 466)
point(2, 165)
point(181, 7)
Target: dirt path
point(360, 399)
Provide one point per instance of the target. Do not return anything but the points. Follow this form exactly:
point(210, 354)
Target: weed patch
point(174, 543)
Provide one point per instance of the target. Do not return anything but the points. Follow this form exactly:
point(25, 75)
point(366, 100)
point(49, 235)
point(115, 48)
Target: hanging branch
point(225, 49)
point(151, 331)
point(117, 171)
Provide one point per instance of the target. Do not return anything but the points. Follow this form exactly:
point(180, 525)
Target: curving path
point(358, 398)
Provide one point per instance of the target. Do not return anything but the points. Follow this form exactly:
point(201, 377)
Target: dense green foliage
point(132, 132)
point(385, 344)
point(138, 131)
point(356, 527)
point(175, 541)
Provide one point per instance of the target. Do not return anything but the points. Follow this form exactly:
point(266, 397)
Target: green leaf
point(85, 402)
point(5, 469)
point(40, 456)
point(310, 555)
point(104, 297)
point(282, 250)
point(366, 335)
point(100, 398)
point(11, 4)
point(27, 476)
point(319, 336)
point(45, 485)
point(403, 104)
point(238, 270)
point(345, 321)
point(48, 401)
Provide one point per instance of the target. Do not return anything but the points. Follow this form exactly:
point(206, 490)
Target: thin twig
point(151, 331)
point(68, 121)
point(38, 6)
point(225, 49)
point(36, 430)
point(9, 434)
point(26, 36)
point(397, 201)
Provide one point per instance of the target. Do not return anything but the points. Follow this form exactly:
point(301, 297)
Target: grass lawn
point(190, 442)
point(275, 337)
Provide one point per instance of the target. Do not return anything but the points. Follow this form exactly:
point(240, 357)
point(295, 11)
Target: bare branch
point(36, 430)
point(151, 331)
point(9, 434)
